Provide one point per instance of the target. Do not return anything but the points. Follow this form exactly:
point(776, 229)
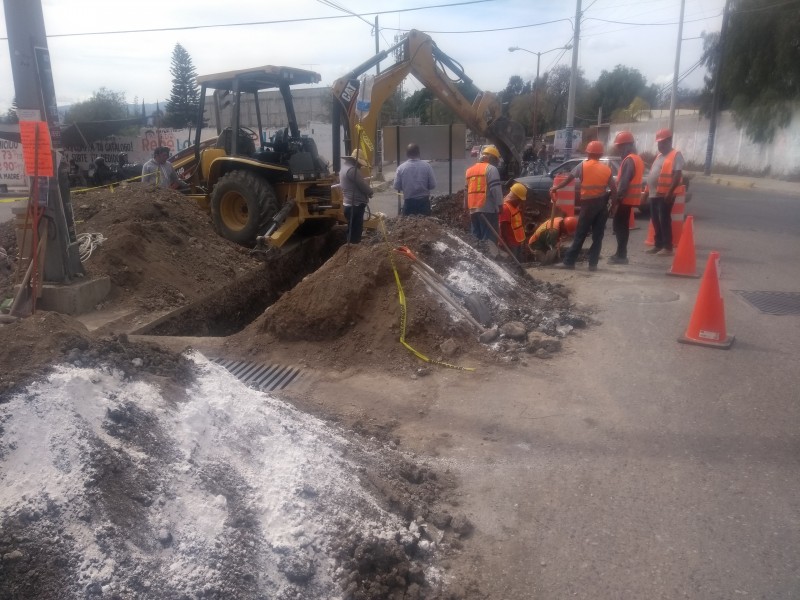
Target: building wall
point(433, 141)
point(733, 149)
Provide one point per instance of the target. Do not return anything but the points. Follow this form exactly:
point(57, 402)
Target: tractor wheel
point(242, 203)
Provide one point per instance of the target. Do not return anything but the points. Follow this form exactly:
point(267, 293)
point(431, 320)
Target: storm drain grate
point(267, 378)
point(773, 303)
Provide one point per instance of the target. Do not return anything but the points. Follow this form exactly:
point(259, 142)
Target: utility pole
point(379, 131)
point(712, 120)
point(36, 100)
point(573, 82)
point(673, 100)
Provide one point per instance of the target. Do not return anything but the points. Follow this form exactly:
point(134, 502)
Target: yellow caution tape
point(9, 200)
point(403, 311)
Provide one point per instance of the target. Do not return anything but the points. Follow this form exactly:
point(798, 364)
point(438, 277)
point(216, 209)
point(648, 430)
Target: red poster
point(36, 147)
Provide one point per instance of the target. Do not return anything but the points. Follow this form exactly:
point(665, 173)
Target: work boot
point(617, 260)
point(653, 250)
point(664, 252)
point(593, 267)
point(564, 266)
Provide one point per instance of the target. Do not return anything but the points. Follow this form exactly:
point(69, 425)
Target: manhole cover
point(266, 378)
point(773, 303)
point(643, 295)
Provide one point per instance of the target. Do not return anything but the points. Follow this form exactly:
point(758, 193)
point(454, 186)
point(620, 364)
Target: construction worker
point(415, 179)
point(356, 192)
point(597, 188)
point(545, 240)
point(629, 192)
point(512, 227)
point(484, 193)
point(666, 174)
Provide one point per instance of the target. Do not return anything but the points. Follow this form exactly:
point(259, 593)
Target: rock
point(164, 537)
point(574, 320)
point(461, 525)
point(433, 533)
point(12, 556)
point(541, 353)
point(450, 347)
point(538, 340)
point(514, 330)
point(563, 330)
point(488, 336)
point(137, 362)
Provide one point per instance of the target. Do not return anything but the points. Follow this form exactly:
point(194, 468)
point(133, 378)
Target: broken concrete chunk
point(514, 330)
point(488, 336)
point(450, 347)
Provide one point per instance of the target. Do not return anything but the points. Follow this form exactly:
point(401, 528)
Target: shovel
point(522, 270)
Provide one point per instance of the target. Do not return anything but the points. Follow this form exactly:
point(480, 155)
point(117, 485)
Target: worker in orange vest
point(629, 193)
point(484, 193)
point(512, 226)
point(666, 174)
point(597, 188)
point(545, 240)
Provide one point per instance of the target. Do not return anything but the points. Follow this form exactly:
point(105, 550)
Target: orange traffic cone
point(651, 236)
point(632, 221)
point(684, 264)
point(707, 324)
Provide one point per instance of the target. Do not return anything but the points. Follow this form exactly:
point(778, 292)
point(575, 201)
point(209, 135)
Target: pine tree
point(184, 98)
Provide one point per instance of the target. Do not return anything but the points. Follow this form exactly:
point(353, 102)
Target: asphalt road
point(651, 469)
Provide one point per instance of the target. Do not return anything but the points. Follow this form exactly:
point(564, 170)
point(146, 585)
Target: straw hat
point(359, 156)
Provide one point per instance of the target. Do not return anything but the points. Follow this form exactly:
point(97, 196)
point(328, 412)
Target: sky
point(322, 36)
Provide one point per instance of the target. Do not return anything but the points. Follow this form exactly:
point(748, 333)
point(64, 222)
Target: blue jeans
point(593, 217)
point(355, 222)
point(417, 206)
point(661, 215)
point(479, 228)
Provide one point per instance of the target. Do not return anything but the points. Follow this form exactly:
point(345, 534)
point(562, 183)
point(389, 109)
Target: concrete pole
point(712, 121)
point(35, 93)
point(673, 100)
point(573, 82)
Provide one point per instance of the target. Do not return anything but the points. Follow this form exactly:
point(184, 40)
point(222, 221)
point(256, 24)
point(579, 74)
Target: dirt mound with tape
point(476, 305)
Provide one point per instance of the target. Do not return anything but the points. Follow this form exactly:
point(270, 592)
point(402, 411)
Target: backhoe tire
point(242, 204)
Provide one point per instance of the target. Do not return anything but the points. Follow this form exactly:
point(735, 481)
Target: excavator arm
point(420, 57)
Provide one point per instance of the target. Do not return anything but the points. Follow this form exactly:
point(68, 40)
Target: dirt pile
point(348, 313)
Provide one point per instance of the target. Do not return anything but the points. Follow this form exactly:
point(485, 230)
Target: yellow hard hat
point(520, 191)
point(491, 151)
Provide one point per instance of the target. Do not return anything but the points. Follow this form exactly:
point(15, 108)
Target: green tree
point(184, 98)
point(11, 113)
point(104, 105)
point(760, 78)
point(615, 90)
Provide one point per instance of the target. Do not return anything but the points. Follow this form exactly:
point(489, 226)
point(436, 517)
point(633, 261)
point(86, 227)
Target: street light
point(536, 81)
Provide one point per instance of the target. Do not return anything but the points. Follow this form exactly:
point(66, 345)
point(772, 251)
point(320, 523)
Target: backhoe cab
point(257, 187)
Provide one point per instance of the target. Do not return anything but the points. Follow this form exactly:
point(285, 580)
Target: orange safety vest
point(544, 227)
point(665, 176)
point(634, 194)
point(594, 179)
point(476, 185)
point(516, 222)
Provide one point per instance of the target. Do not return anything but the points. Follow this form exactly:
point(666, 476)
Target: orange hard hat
point(663, 134)
point(520, 191)
point(571, 224)
point(594, 148)
point(623, 137)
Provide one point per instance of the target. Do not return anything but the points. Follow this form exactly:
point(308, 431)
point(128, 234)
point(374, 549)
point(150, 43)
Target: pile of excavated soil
point(160, 250)
point(347, 313)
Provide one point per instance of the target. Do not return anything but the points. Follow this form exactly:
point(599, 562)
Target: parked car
point(539, 185)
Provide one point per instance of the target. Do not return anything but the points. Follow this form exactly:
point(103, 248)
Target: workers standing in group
point(512, 226)
point(629, 192)
point(414, 178)
point(356, 192)
point(545, 240)
point(597, 189)
point(666, 175)
point(484, 193)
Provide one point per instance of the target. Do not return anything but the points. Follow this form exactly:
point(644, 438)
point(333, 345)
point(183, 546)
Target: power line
point(485, 30)
point(652, 24)
point(276, 22)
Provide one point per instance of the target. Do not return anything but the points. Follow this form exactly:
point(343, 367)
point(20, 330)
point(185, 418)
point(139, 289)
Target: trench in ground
point(231, 309)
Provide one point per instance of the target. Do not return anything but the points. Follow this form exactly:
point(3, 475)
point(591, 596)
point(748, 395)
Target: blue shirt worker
point(414, 178)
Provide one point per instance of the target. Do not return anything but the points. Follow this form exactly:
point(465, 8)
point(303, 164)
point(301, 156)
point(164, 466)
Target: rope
point(88, 242)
